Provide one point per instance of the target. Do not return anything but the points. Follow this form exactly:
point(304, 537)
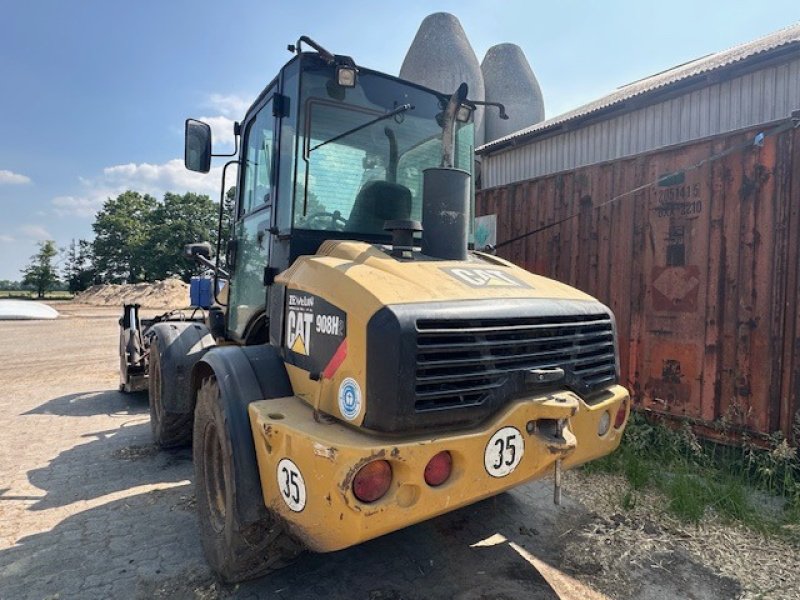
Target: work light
point(346, 76)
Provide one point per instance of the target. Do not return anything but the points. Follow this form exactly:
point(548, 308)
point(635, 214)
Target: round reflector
point(437, 471)
point(372, 481)
point(622, 414)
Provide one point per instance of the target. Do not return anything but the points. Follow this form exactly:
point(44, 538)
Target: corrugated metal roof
point(658, 83)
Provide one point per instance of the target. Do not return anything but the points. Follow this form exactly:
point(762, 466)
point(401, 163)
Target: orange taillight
point(622, 414)
point(372, 481)
point(438, 469)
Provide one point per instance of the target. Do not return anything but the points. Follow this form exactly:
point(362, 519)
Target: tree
point(41, 273)
point(122, 229)
point(79, 271)
point(177, 221)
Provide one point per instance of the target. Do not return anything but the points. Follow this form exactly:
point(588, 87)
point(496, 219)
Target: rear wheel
point(170, 430)
point(236, 552)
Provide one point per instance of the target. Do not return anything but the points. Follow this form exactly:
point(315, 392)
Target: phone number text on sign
point(503, 452)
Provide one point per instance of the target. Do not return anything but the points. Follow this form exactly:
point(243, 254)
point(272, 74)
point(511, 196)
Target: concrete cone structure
point(441, 58)
point(509, 79)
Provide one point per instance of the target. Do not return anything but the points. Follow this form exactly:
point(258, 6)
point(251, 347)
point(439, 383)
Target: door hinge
point(280, 106)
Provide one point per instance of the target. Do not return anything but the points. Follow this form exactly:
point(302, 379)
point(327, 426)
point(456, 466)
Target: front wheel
point(236, 552)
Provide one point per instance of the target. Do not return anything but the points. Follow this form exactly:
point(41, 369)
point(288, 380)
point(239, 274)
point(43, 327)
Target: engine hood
point(346, 271)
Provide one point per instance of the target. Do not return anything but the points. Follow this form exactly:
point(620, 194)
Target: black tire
point(234, 551)
point(170, 430)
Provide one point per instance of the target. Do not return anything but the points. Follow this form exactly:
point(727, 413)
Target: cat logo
point(486, 278)
point(298, 331)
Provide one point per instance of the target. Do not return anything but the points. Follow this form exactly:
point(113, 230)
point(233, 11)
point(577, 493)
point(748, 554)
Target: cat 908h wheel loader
point(362, 368)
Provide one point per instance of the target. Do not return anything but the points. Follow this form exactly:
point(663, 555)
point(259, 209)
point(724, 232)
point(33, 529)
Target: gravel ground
point(765, 567)
point(90, 509)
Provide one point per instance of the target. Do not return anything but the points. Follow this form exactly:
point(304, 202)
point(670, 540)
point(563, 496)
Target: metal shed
point(745, 86)
point(684, 222)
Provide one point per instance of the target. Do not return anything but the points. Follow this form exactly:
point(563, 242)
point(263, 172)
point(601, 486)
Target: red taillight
point(622, 413)
point(372, 481)
point(437, 471)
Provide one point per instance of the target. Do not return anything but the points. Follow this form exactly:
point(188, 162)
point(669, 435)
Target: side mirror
point(199, 249)
point(197, 153)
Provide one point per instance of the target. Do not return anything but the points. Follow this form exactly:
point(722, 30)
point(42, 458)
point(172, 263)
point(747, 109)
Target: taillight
point(622, 413)
point(437, 471)
point(372, 481)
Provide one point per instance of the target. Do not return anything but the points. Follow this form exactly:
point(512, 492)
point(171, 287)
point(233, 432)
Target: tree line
point(137, 238)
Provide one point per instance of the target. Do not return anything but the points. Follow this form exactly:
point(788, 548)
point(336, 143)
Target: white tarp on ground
point(25, 309)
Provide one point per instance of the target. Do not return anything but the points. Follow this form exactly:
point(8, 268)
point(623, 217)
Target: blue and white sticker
point(349, 398)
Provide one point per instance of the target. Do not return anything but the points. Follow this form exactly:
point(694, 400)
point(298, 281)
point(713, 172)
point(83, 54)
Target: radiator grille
point(461, 361)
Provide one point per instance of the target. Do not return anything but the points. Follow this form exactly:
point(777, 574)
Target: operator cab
point(329, 151)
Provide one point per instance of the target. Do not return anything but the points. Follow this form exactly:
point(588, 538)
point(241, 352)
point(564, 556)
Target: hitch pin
point(557, 468)
point(557, 483)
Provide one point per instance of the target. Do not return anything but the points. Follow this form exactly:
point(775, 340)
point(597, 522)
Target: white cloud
point(80, 206)
point(11, 178)
point(230, 105)
point(171, 176)
point(221, 131)
point(36, 232)
point(146, 178)
point(5, 239)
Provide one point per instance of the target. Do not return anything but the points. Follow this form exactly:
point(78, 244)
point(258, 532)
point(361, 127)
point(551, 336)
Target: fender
point(181, 344)
point(244, 374)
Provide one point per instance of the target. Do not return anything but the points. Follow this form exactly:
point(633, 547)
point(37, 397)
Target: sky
point(93, 95)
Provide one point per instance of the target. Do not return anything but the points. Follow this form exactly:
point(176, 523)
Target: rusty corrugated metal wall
point(702, 274)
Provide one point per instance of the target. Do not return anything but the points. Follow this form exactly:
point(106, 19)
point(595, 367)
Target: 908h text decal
point(315, 330)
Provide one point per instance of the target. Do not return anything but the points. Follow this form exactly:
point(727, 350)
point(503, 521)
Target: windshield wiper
point(400, 109)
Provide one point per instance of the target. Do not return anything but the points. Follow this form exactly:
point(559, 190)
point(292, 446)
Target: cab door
point(248, 294)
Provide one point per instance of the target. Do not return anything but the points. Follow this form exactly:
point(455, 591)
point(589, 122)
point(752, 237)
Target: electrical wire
point(758, 140)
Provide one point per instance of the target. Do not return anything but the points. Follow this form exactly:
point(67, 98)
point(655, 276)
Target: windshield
point(357, 168)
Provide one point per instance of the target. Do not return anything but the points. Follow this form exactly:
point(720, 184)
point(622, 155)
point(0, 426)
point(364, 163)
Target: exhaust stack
point(446, 194)
point(445, 206)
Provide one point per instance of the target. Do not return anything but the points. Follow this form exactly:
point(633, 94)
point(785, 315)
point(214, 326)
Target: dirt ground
point(90, 509)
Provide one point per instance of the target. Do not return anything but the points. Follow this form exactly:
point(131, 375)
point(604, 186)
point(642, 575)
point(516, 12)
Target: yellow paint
point(361, 279)
point(329, 454)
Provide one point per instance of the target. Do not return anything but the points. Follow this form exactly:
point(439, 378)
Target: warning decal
point(315, 330)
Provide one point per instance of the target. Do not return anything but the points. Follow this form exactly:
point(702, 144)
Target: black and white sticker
point(315, 329)
point(503, 452)
point(291, 485)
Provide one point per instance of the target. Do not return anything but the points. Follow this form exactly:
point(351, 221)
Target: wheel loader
point(362, 367)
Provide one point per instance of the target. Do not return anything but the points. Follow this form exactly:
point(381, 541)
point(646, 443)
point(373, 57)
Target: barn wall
point(732, 104)
point(702, 274)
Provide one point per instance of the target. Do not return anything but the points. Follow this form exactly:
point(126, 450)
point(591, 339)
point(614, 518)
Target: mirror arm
point(236, 135)
point(297, 48)
point(217, 268)
point(500, 106)
point(210, 264)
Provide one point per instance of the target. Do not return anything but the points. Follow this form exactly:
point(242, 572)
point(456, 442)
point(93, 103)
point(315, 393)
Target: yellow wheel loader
point(362, 368)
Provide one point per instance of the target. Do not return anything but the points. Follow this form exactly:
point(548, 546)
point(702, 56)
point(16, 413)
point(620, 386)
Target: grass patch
point(29, 295)
point(757, 487)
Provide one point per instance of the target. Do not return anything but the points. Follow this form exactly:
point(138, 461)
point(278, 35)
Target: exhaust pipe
point(445, 206)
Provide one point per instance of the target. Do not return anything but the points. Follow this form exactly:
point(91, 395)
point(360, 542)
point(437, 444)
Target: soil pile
point(170, 293)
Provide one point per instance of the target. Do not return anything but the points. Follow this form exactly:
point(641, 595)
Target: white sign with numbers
point(291, 485)
point(503, 452)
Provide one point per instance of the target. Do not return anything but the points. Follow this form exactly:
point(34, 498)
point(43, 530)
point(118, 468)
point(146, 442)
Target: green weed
point(696, 475)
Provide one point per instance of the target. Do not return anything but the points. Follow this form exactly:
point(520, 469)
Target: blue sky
point(93, 95)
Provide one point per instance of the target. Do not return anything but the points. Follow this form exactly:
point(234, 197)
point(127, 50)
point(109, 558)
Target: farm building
point(676, 200)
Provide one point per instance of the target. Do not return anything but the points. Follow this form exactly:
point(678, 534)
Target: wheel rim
point(214, 477)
